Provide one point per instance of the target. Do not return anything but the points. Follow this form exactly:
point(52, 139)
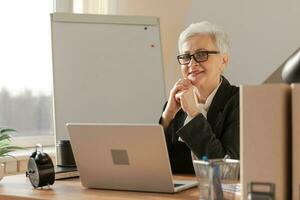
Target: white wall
point(263, 33)
point(63, 5)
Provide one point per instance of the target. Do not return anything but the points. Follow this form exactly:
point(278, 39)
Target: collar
point(209, 99)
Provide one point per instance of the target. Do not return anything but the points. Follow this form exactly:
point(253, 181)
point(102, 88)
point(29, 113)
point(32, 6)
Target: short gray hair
point(218, 36)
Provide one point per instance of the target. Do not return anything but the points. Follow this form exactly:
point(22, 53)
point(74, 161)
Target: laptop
point(124, 157)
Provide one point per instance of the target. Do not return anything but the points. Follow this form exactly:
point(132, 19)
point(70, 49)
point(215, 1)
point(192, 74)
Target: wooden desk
point(18, 187)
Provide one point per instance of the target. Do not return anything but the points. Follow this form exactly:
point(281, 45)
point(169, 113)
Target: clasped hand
point(183, 96)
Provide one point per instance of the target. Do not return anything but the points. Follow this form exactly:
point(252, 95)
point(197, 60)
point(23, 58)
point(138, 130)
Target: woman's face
point(204, 73)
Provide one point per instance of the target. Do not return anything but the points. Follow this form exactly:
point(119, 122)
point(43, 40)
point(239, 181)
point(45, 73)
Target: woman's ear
point(225, 60)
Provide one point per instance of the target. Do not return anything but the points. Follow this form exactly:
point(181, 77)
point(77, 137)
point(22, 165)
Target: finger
point(178, 97)
point(178, 84)
point(184, 81)
point(179, 94)
point(179, 88)
point(179, 80)
point(185, 85)
point(187, 82)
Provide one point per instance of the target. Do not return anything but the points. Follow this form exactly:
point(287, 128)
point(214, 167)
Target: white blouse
point(203, 108)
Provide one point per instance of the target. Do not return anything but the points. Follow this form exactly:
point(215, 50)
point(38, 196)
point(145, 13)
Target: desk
point(18, 187)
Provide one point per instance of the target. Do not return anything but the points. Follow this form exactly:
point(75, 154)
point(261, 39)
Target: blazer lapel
point(215, 111)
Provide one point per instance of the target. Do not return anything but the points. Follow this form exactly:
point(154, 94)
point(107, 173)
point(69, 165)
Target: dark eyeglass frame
point(193, 55)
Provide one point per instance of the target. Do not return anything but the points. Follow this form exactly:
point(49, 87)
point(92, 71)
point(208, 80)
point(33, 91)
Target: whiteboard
point(106, 69)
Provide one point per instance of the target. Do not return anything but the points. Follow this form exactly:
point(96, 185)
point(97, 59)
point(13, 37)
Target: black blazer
point(213, 137)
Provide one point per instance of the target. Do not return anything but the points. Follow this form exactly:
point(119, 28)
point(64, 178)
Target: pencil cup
point(218, 179)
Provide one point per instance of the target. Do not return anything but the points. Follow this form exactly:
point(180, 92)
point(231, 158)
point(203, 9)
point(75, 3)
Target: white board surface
point(106, 69)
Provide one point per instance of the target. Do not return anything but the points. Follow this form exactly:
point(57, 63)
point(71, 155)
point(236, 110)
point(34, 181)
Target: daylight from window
point(26, 66)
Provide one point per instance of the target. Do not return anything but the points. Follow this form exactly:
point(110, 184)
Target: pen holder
point(218, 179)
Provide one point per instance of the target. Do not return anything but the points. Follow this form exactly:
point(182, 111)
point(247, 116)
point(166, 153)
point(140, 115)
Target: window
point(26, 70)
point(95, 6)
point(26, 64)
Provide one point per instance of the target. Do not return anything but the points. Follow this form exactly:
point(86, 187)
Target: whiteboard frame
point(104, 19)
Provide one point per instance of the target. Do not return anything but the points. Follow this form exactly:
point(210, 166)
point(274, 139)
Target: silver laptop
point(124, 157)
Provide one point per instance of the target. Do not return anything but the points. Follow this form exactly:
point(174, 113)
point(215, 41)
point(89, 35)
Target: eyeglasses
point(200, 56)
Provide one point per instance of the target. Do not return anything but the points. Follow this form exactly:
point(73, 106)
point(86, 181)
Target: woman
point(202, 113)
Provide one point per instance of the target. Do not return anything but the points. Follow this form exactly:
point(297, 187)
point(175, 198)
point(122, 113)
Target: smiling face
point(204, 74)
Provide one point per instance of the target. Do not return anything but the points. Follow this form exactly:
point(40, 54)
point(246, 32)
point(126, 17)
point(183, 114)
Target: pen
point(226, 157)
point(216, 182)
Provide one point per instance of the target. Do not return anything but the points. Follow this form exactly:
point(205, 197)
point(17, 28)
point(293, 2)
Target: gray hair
point(218, 36)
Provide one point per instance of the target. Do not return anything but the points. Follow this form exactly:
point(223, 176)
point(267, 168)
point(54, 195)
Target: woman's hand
point(174, 104)
point(188, 101)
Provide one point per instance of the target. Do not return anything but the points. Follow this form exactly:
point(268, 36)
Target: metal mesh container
point(218, 178)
